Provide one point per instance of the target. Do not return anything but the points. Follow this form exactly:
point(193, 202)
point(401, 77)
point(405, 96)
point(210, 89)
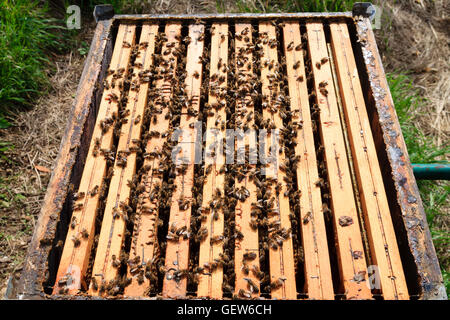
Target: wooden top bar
point(80, 236)
point(281, 257)
point(319, 284)
point(115, 217)
point(210, 283)
point(248, 245)
point(144, 238)
point(177, 252)
point(349, 242)
point(385, 253)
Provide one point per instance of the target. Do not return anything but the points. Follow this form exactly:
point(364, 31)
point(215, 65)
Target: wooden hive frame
point(309, 228)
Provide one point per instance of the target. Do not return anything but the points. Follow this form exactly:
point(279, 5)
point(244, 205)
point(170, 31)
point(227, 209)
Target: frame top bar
point(347, 14)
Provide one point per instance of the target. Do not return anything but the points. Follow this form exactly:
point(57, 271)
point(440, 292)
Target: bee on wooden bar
point(249, 256)
point(307, 217)
point(114, 261)
point(290, 46)
point(357, 254)
point(78, 206)
point(84, 234)
point(73, 223)
point(76, 241)
point(244, 294)
point(323, 84)
point(112, 97)
point(345, 221)
point(296, 65)
point(202, 234)
point(252, 286)
point(116, 213)
point(216, 239)
point(323, 91)
point(143, 45)
point(78, 195)
point(94, 191)
point(326, 209)
point(277, 283)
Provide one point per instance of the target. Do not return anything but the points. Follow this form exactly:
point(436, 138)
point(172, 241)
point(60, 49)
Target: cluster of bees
point(243, 103)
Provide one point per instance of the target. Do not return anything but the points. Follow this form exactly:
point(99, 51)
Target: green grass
point(421, 149)
point(120, 6)
point(26, 37)
point(406, 100)
point(255, 6)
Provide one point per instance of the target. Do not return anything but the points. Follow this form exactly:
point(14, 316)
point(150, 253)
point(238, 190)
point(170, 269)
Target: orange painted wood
point(210, 283)
point(177, 252)
point(319, 284)
point(249, 244)
point(144, 238)
point(281, 259)
point(383, 244)
point(75, 259)
point(112, 233)
point(352, 263)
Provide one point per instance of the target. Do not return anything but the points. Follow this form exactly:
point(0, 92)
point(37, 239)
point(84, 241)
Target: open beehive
point(336, 212)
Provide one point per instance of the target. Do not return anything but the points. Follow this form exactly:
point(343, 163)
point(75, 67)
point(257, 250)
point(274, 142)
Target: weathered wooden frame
point(413, 234)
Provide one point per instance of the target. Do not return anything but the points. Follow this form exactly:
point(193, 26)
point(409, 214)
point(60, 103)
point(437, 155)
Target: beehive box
point(131, 212)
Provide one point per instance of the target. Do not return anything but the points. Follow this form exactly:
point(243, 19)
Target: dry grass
point(413, 38)
point(36, 136)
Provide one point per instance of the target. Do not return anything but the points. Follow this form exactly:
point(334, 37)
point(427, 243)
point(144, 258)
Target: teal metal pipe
point(431, 171)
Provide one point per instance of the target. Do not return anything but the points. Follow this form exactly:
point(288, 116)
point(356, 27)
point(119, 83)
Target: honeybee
point(84, 234)
point(277, 283)
point(290, 46)
point(76, 241)
point(78, 206)
point(307, 217)
point(250, 256)
point(94, 191)
point(78, 195)
point(73, 222)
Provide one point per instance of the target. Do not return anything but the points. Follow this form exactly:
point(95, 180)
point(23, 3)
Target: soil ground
point(414, 37)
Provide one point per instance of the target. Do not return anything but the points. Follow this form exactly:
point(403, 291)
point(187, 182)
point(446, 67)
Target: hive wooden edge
point(30, 285)
point(407, 192)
